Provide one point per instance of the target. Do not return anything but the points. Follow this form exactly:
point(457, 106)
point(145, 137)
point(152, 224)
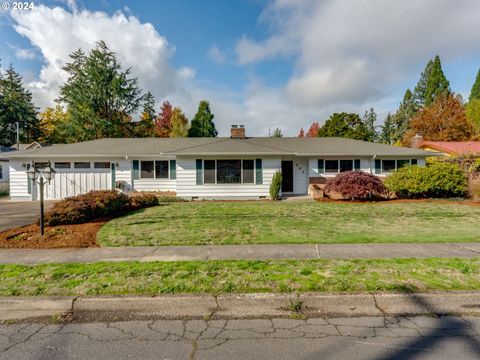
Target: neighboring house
point(4, 166)
point(213, 168)
point(447, 148)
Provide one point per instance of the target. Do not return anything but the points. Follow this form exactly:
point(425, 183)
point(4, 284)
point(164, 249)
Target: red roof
point(453, 147)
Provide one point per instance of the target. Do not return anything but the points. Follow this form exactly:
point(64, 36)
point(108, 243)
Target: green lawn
point(197, 223)
point(411, 275)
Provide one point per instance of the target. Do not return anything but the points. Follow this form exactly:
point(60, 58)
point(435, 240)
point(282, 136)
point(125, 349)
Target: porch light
point(49, 172)
point(32, 174)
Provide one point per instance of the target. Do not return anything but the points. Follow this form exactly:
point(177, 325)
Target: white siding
point(123, 172)
point(4, 173)
point(152, 184)
point(187, 184)
point(18, 181)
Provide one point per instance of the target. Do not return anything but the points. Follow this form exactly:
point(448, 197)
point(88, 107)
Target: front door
point(287, 176)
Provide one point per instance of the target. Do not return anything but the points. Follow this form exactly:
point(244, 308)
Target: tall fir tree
point(370, 120)
point(421, 87)
point(145, 127)
point(16, 105)
point(179, 124)
point(99, 95)
point(475, 92)
point(387, 132)
point(401, 118)
point(437, 83)
point(202, 124)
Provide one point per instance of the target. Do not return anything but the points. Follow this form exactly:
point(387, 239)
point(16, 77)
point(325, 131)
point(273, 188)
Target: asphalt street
point(381, 338)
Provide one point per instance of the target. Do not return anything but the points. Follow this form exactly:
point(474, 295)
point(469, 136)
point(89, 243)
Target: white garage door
point(71, 182)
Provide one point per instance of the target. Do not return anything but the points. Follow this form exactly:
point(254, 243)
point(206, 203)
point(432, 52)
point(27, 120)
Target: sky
point(261, 63)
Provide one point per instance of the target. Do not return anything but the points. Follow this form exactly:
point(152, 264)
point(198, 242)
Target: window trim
point(154, 170)
point(323, 170)
point(241, 173)
point(396, 165)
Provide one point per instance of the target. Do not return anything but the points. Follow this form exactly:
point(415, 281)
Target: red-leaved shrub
point(143, 200)
point(82, 208)
point(356, 185)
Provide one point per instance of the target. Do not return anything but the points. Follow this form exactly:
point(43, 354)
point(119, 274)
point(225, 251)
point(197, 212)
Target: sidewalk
point(240, 252)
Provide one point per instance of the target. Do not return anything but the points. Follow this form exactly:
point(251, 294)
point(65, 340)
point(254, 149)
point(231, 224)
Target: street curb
point(247, 305)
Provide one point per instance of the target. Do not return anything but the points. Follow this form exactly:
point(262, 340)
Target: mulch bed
point(61, 236)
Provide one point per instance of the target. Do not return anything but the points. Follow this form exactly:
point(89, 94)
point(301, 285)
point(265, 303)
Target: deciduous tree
point(163, 125)
point(443, 120)
point(313, 130)
point(53, 121)
point(301, 133)
point(179, 124)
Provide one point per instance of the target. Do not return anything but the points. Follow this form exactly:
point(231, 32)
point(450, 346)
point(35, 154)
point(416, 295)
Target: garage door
point(71, 182)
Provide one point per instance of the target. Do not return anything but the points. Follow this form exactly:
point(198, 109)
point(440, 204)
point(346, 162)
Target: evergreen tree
point(179, 124)
point(16, 105)
point(472, 111)
point(346, 125)
point(387, 133)
point(370, 119)
point(146, 126)
point(421, 87)
point(437, 83)
point(401, 118)
point(277, 133)
point(475, 92)
point(100, 96)
point(202, 123)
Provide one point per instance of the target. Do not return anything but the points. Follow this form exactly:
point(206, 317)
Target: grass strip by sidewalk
point(240, 276)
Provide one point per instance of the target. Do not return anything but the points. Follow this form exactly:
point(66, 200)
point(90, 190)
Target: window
point(62, 165)
point(388, 166)
point(161, 169)
point(1, 172)
point(146, 170)
point(101, 165)
point(346, 165)
point(41, 165)
point(209, 174)
point(402, 163)
point(331, 166)
point(82, 165)
point(248, 175)
point(229, 171)
point(414, 161)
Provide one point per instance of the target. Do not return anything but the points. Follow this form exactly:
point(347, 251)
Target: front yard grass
point(215, 277)
point(202, 223)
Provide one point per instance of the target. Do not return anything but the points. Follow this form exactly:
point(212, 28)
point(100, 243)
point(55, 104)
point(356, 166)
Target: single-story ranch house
point(237, 167)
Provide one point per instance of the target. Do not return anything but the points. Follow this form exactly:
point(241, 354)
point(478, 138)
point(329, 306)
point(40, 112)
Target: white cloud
point(21, 53)
point(57, 32)
point(217, 55)
point(355, 51)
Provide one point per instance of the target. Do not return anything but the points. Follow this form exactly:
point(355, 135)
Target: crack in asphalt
point(209, 334)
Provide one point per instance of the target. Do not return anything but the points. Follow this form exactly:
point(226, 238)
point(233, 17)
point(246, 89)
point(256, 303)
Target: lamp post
point(35, 175)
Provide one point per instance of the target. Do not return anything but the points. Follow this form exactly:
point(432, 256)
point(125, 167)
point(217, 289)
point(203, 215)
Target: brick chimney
point(237, 132)
point(416, 141)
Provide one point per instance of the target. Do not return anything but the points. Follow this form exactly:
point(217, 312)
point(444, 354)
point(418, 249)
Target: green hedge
point(439, 180)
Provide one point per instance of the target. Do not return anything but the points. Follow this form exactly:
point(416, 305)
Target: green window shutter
point(321, 166)
point(356, 166)
point(173, 169)
point(135, 170)
point(258, 172)
point(199, 172)
point(378, 166)
point(29, 182)
point(414, 161)
point(112, 166)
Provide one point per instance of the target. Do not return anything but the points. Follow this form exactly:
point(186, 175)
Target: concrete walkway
point(240, 252)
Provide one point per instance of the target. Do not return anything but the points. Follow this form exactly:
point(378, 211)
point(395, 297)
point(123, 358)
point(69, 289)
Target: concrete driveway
point(19, 213)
